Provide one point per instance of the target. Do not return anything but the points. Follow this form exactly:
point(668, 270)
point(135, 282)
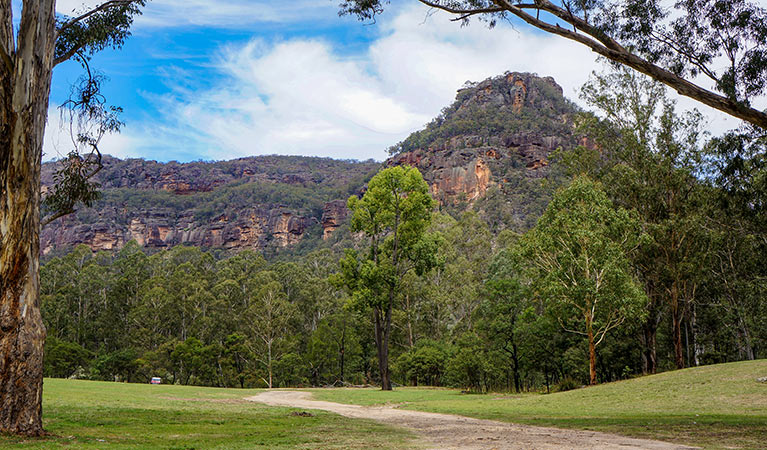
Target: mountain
point(489, 151)
point(263, 202)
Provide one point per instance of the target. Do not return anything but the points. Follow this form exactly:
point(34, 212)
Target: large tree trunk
point(24, 92)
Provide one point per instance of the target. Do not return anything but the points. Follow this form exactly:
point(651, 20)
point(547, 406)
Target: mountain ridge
point(488, 151)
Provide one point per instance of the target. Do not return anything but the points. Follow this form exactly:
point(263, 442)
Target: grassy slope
point(88, 414)
point(719, 406)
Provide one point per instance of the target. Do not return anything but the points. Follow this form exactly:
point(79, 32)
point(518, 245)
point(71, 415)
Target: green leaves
point(579, 253)
point(105, 26)
point(394, 214)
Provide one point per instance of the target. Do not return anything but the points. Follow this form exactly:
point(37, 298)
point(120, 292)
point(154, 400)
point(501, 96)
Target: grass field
point(90, 414)
point(719, 406)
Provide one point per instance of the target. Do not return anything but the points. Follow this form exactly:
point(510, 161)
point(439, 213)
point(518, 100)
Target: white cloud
point(216, 13)
point(302, 96)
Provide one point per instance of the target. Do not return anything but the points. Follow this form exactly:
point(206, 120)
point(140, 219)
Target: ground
point(451, 432)
point(716, 406)
point(721, 406)
point(97, 415)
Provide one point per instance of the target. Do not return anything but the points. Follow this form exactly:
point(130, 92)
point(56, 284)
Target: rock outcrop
point(492, 145)
point(505, 124)
point(333, 214)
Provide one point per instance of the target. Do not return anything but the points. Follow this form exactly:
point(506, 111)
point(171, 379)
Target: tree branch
point(605, 46)
point(66, 56)
point(53, 217)
point(460, 11)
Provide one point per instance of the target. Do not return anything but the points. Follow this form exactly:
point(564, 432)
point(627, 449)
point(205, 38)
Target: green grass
point(718, 406)
point(89, 414)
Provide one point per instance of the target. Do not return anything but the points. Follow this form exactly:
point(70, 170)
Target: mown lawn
point(89, 414)
point(718, 406)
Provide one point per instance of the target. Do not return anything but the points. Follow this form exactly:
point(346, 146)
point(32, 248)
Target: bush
point(423, 364)
point(63, 359)
point(121, 365)
point(566, 384)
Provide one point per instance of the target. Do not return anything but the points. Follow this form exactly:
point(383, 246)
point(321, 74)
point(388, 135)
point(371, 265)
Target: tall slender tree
point(394, 214)
point(579, 254)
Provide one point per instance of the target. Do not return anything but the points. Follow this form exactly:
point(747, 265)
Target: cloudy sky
point(220, 79)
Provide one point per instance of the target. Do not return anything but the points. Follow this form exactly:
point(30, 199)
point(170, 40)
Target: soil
point(446, 431)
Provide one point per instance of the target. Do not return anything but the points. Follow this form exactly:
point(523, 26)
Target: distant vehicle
point(156, 380)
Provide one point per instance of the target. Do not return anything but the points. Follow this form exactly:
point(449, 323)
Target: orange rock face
point(519, 91)
point(454, 177)
point(489, 137)
point(255, 230)
point(333, 215)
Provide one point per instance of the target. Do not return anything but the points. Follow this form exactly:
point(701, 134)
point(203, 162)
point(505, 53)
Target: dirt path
point(445, 431)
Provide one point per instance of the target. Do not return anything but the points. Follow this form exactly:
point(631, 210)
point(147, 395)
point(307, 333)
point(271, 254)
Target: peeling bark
point(24, 93)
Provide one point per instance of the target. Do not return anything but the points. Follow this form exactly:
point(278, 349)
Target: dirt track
point(445, 431)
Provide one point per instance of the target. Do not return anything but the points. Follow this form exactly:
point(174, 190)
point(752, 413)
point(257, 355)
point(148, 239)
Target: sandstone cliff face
point(333, 214)
point(256, 229)
point(489, 150)
point(502, 125)
point(237, 221)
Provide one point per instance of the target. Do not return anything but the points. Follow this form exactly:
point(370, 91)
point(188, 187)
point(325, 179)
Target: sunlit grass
point(719, 406)
point(88, 414)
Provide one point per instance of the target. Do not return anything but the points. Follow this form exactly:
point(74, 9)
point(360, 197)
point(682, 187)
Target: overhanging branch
point(603, 45)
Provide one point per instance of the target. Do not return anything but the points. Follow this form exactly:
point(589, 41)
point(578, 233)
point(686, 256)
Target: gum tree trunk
point(676, 322)
point(592, 354)
point(25, 79)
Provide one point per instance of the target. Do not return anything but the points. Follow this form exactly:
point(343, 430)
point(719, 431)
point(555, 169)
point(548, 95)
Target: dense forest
point(649, 257)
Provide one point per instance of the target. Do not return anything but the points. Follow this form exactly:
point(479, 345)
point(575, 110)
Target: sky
point(222, 79)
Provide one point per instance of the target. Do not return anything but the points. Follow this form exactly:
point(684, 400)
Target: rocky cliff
point(493, 144)
point(256, 203)
point(489, 151)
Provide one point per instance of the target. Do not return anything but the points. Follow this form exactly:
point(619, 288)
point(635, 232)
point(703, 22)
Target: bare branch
point(53, 217)
point(66, 56)
point(460, 11)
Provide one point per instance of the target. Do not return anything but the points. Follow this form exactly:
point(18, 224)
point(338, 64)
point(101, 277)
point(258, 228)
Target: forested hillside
point(263, 203)
point(537, 247)
point(489, 151)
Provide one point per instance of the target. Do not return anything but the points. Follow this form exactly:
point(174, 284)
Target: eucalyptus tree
point(578, 253)
point(394, 214)
point(29, 51)
point(507, 297)
point(651, 163)
point(671, 42)
point(268, 319)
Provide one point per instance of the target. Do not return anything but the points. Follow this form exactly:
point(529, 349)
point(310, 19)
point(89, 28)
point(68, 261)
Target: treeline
point(651, 258)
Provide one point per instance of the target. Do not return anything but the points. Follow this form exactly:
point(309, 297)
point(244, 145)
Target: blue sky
point(220, 79)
